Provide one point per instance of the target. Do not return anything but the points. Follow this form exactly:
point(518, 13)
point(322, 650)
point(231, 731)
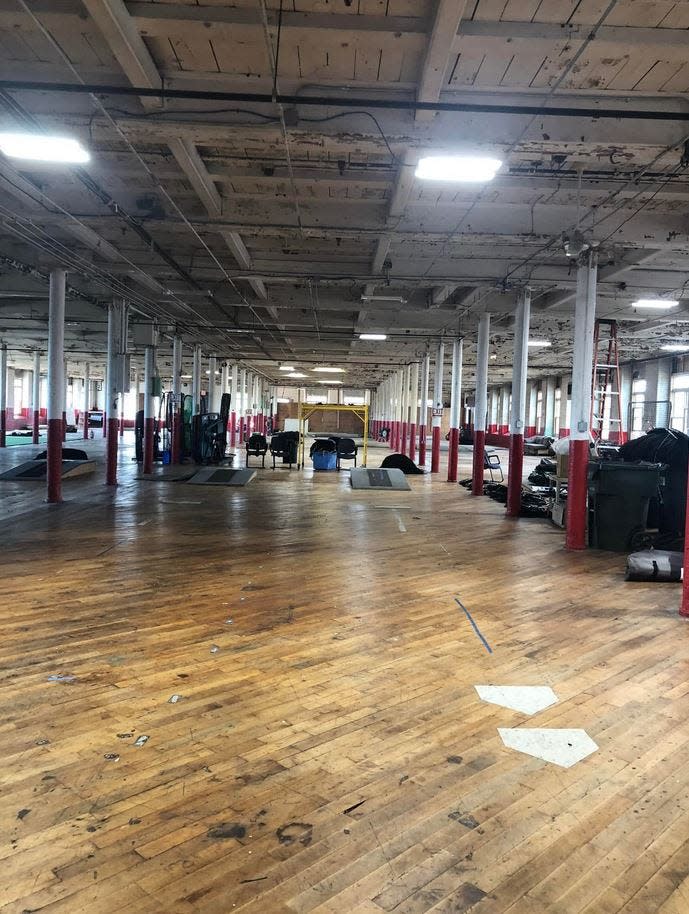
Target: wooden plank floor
point(331, 756)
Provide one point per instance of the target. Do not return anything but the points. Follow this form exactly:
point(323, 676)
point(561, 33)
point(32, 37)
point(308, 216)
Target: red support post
point(577, 492)
point(435, 450)
point(86, 425)
point(453, 455)
point(479, 460)
point(514, 476)
point(149, 426)
point(111, 453)
point(35, 432)
point(403, 440)
point(54, 461)
point(422, 441)
point(412, 441)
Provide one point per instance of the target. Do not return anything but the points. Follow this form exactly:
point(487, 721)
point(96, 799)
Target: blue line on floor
point(475, 626)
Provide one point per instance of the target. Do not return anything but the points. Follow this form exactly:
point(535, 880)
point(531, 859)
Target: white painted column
point(549, 407)
point(196, 381)
point(212, 386)
point(3, 395)
point(625, 399)
point(56, 382)
point(455, 409)
point(36, 395)
point(564, 399)
point(582, 376)
point(518, 407)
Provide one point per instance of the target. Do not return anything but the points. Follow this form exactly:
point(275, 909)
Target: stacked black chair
point(257, 446)
point(346, 450)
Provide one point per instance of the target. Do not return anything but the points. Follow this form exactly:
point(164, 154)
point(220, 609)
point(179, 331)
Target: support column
point(455, 409)
point(564, 400)
point(414, 409)
point(437, 407)
point(518, 411)
point(423, 409)
point(212, 386)
point(195, 381)
point(36, 397)
point(505, 391)
point(87, 399)
point(582, 373)
point(662, 392)
point(177, 415)
point(56, 382)
point(149, 422)
point(64, 401)
point(481, 404)
point(111, 402)
point(3, 395)
point(233, 405)
point(404, 408)
point(549, 407)
point(242, 405)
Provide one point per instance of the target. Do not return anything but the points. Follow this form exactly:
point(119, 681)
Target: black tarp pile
point(671, 447)
point(532, 505)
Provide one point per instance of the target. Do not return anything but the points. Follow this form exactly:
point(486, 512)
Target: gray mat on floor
point(393, 480)
point(222, 476)
point(36, 470)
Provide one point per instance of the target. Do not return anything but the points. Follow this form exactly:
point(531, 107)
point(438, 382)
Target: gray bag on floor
point(654, 565)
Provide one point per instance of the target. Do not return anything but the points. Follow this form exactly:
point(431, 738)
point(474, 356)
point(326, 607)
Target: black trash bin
point(619, 495)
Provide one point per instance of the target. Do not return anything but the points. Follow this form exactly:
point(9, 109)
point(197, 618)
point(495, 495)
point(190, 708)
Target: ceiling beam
point(121, 33)
point(448, 16)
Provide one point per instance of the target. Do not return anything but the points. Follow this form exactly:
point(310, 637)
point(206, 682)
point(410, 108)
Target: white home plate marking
point(561, 747)
point(527, 699)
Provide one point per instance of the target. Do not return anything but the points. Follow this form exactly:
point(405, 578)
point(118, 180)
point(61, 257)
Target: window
point(638, 401)
point(679, 397)
point(539, 411)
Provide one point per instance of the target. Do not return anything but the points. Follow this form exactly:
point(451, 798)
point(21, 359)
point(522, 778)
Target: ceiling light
point(656, 304)
point(329, 370)
point(469, 169)
point(398, 299)
point(539, 343)
point(40, 148)
point(676, 347)
point(373, 336)
point(493, 357)
point(297, 374)
point(283, 400)
point(286, 368)
point(327, 381)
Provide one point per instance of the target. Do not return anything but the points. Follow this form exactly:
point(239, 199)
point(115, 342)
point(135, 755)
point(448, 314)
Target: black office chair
point(257, 446)
point(346, 450)
point(491, 461)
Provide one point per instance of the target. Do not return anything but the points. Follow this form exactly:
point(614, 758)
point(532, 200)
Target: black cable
point(277, 54)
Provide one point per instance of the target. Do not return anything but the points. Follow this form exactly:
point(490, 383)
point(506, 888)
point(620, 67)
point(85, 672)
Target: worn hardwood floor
point(332, 755)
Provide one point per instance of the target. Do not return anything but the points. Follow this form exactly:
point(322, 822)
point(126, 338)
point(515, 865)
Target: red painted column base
point(3, 428)
point(453, 455)
point(54, 461)
point(233, 429)
point(111, 453)
point(479, 463)
point(514, 476)
point(148, 445)
point(422, 445)
point(122, 426)
point(86, 426)
point(435, 449)
point(412, 441)
point(35, 430)
point(577, 492)
point(176, 455)
point(403, 443)
point(64, 426)
point(105, 424)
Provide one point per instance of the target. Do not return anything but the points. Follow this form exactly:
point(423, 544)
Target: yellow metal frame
point(306, 410)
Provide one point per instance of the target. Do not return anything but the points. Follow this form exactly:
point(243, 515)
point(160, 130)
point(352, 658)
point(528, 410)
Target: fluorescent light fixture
point(535, 344)
point(327, 381)
point(286, 368)
point(41, 148)
point(373, 336)
point(297, 374)
point(326, 369)
point(465, 169)
point(676, 347)
point(283, 400)
point(493, 356)
point(398, 299)
point(655, 304)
